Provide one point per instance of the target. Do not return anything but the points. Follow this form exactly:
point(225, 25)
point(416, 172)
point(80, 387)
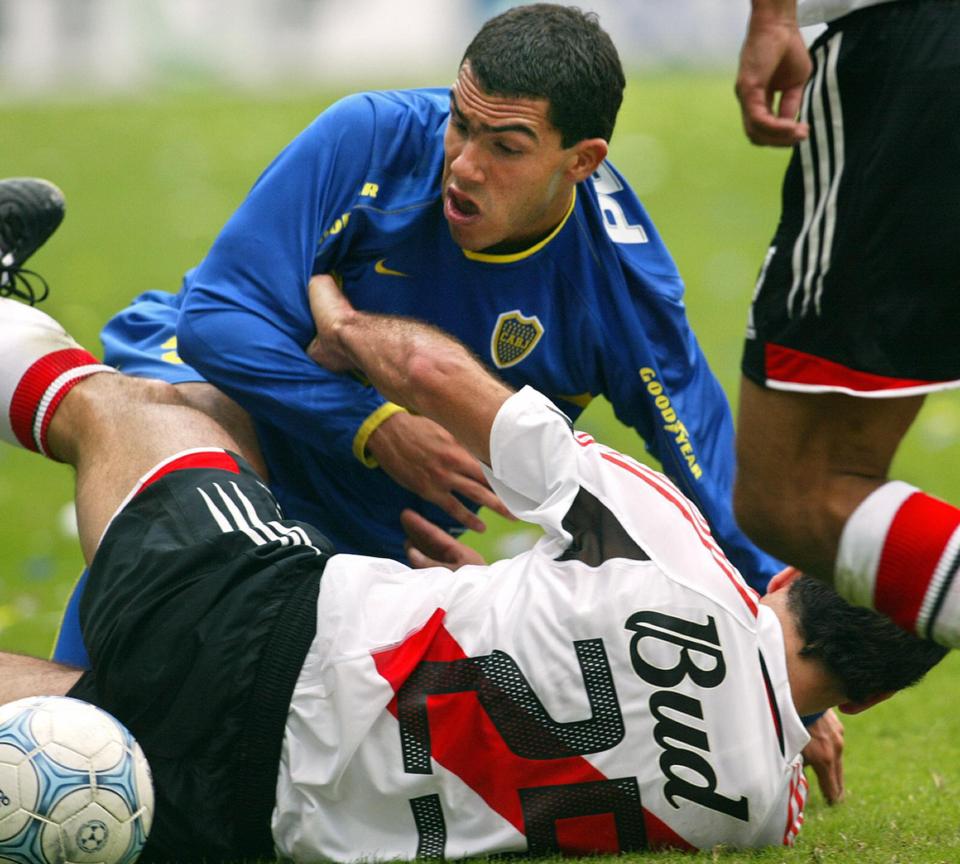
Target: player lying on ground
point(616, 688)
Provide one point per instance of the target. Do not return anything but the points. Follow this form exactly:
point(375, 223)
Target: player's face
point(507, 180)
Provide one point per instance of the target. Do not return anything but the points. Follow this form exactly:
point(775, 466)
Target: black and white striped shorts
point(198, 612)
point(860, 288)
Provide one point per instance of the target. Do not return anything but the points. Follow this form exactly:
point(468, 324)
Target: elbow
point(190, 337)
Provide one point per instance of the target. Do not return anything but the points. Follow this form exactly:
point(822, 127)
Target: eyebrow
point(522, 128)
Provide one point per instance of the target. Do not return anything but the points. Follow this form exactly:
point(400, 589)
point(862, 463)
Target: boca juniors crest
point(514, 337)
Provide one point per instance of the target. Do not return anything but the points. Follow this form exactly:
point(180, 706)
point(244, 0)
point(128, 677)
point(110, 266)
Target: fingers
point(419, 561)
point(789, 108)
point(468, 480)
point(426, 459)
point(774, 62)
point(830, 779)
point(428, 537)
point(454, 507)
point(329, 308)
point(765, 128)
point(428, 545)
point(481, 494)
point(824, 753)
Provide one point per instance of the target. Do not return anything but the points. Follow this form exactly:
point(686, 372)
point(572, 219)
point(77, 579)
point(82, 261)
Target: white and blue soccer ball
point(75, 786)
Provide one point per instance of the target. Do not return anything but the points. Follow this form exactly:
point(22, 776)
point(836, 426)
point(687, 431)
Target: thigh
point(199, 610)
point(801, 438)
point(806, 461)
point(229, 415)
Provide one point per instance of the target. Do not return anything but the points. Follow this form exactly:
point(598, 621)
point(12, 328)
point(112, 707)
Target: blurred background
point(123, 46)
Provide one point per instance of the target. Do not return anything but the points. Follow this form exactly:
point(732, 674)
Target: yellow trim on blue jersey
point(581, 400)
point(171, 355)
point(368, 427)
point(526, 253)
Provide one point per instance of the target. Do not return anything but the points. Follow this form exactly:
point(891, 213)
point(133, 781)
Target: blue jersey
point(594, 308)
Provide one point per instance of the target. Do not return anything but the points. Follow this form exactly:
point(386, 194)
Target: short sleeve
point(533, 456)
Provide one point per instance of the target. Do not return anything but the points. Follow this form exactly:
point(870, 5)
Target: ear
point(857, 707)
point(586, 156)
point(782, 579)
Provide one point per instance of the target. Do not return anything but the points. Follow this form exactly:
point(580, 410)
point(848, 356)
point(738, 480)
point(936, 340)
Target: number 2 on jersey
point(527, 766)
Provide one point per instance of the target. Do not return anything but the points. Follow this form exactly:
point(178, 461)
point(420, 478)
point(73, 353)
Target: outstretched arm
point(773, 60)
point(411, 363)
point(244, 319)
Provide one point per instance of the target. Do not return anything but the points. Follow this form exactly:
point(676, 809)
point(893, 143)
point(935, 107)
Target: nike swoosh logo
point(381, 268)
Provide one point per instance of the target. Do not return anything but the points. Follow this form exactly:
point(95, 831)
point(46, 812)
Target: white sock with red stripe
point(899, 553)
point(39, 364)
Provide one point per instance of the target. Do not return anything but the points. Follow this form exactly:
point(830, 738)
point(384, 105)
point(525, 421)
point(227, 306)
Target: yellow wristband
point(368, 427)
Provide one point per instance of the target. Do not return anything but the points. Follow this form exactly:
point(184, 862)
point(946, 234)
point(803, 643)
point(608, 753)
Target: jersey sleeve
point(659, 381)
point(245, 319)
point(533, 459)
point(782, 822)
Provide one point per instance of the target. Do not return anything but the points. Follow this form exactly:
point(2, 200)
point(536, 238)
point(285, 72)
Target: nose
point(467, 167)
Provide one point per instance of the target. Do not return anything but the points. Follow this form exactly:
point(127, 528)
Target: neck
point(548, 225)
point(811, 685)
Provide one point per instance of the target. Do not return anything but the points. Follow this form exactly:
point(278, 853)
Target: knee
point(757, 505)
point(792, 515)
point(108, 396)
point(97, 407)
point(778, 513)
point(152, 391)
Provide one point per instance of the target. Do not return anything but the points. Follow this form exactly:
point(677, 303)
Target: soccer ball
point(75, 787)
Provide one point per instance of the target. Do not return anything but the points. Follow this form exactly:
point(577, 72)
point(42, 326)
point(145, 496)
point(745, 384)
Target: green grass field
point(149, 182)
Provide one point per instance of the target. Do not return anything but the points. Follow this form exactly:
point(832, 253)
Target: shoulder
point(667, 525)
point(387, 111)
point(623, 233)
point(400, 128)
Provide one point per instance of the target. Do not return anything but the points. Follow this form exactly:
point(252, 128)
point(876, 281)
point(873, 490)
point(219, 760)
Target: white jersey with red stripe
point(618, 687)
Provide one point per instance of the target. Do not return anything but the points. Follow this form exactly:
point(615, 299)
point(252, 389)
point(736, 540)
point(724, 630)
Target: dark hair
point(558, 53)
point(866, 653)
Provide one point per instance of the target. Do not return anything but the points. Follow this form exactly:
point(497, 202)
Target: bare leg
point(228, 414)
point(805, 462)
point(57, 399)
point(22, 676)
point(113, 430)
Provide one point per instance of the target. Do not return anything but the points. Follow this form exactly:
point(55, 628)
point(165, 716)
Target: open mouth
point(459, 207)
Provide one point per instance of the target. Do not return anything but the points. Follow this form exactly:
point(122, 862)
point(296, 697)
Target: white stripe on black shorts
point(859, 289)
point(199, 609)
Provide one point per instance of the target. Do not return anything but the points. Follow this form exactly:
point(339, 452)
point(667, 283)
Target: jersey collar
point(770, 633)
point(525, 253)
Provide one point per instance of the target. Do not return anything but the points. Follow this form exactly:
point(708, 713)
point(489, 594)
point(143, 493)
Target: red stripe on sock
point(52, 407)
point(218, 459)
point(34, 385)
point(913, 547)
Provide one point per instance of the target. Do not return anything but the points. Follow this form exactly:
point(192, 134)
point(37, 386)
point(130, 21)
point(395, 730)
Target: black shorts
point(860, 290)
point(198, 613)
